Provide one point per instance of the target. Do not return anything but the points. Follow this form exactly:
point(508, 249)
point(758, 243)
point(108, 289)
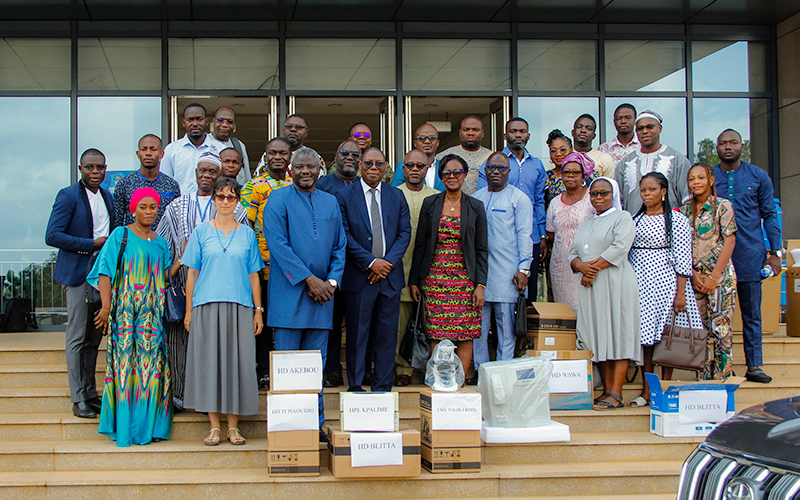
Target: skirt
point(221, 360)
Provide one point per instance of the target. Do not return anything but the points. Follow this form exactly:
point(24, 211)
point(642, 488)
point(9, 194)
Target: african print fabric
point(554, 187)
point(254, 198)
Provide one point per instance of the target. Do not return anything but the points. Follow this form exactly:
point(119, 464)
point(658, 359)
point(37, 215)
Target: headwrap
point(142, 193)
point(210, 156)
point(616, 202)
point(649, 114)
point(582, 159)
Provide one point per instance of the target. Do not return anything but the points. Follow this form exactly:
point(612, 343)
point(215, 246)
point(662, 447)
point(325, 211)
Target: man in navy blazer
point(376, 221)
point(79, 224)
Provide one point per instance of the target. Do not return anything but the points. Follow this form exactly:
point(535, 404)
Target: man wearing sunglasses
point(426, 139)
point(222, 127)
point(471, 134)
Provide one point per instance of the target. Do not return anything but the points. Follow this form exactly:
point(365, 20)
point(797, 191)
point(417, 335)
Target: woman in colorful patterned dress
point(450, 261)
point(137, 396)
point(713, 276)
point(560, 147)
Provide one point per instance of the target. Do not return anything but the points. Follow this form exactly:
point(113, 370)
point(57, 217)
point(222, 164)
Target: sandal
point(639, 402)
point(598, 398)
point(237, 439)
point(605, 405)
point(212, 440)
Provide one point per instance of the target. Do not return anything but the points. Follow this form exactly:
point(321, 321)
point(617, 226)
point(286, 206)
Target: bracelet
point(713, 278)
point(106, 310)
point(481, 285)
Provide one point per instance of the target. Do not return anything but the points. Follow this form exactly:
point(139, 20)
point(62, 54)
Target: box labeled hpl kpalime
point(374, 454)
point(450, 430)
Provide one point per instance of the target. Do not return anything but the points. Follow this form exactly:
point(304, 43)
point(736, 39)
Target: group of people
point(203, 268)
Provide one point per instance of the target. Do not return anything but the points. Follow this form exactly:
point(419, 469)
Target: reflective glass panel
point(671, 109)
point(645, 66)
point(223, 63)
point(746, 116)
point(340, 64)
point(729, 67)
point(119, 64)
point(547, 113)
point(557, 64)
point(464, 65)
point(34, 64)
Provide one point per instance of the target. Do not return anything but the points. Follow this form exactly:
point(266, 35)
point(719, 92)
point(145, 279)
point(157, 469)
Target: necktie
point(377, 225)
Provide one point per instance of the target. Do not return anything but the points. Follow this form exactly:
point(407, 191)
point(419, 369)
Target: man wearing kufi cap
point(652, 157)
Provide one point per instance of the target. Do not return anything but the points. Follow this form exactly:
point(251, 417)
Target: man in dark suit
point(378, 227)
point(79, 224)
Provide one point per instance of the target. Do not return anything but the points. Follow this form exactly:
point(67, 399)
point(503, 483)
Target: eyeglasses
point(563, 151)
point(602, 194)
point(365, 135)
point(348, 154)
point(231, 198)
point(377, 164)
point(290, 126)
point(225, 120)
point(418, 166)
point(571, 173)
point(92, 168)
point(453, 173)
point(423, 138)
point(497, 168)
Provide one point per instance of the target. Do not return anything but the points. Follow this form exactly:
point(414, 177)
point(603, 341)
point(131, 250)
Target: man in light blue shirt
point(509, 217)
point(528, 175)
point(180, 157)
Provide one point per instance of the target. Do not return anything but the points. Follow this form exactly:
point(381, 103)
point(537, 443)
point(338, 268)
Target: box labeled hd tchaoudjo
point(571, 386)
point(374, 454)
point(293, 453)
point(369, 411)
point(551, 327)
point(295, 371)
point(450, 435)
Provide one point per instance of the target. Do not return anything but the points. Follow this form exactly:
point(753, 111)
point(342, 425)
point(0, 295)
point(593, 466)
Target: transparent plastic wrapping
point(515, 392)
point(444, 371)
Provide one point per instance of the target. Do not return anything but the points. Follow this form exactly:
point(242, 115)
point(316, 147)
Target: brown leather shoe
point(402, 380)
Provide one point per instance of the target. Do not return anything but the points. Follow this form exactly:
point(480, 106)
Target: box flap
point(659, 386)
point(551, 310)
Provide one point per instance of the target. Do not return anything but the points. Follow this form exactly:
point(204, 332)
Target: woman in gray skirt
point(223, 315)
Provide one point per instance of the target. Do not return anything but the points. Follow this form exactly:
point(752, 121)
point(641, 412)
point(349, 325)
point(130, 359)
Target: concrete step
point(632, 478)
point(41, 375)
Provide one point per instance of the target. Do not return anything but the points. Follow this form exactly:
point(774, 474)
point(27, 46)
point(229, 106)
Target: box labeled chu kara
point(374, 454)
point(687, 409)
point(295, 371)
point(450, 424)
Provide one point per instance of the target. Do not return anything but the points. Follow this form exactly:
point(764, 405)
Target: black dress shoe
point(369, 377)
point(357, 388)
point(332, 380)
point(758, 375)
point(83, 410)
point(263, 382)
point(95, 405)
point(472, 381)
point(323, 436)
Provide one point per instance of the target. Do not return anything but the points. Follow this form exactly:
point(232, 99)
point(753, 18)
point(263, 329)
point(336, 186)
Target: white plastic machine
point(515, 392)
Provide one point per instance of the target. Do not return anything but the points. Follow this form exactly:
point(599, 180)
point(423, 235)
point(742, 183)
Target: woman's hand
point(258, 321)
point(101, 320)
point(588, 269)
point(187, 320)
point(587, 281)
point(679, 304)
point(708, 285)
point(478, 297)
point(697, 281)
point(414, 289)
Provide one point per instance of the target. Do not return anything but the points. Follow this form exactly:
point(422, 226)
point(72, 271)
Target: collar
point(148, 180)
point(510, 153)
point(365, 187)
point(612, 209)
point(187, 142)
point(617, 142)
point(659, 151)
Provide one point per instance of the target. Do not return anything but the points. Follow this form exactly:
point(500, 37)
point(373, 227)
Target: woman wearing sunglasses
point(450, 261)
point(223, 315)
point(608, 300)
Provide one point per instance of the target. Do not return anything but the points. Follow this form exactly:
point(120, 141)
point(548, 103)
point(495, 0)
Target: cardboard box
point(295, 371)
point(340, 456)
point(292, 412)
point(548, 341)
point(344, 406)
point(555, 432)
point(450, 450)
point(792, 291)
point(770, 306)
point(551, 317)
point(562, 365)
point(668, 418)
point(293, 453)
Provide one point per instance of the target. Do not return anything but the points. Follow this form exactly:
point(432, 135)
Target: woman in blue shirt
point(223, 312)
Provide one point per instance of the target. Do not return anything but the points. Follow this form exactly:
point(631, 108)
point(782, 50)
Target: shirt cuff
point(370, 264)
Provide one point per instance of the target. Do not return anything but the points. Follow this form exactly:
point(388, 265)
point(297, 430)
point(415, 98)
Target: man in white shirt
point(222, 128)
point(180, 157)
point(625, 142)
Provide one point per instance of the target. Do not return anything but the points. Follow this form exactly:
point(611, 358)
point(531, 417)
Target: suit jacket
point(358, 227)
point(473, 238)
point(70, 229)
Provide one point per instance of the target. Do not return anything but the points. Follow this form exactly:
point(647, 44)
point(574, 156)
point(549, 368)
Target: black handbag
point(681, 347)
point(521, 318)
point(92, 294)
point(174, 304)
point(414, 346)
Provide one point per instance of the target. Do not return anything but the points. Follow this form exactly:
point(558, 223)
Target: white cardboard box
point(555, 432)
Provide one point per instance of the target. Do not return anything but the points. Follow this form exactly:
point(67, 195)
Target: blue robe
point(305, 236)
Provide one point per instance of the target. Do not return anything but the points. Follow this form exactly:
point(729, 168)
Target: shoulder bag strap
point(117, 275)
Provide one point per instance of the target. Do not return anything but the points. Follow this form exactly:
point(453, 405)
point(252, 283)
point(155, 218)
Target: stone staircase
point(48, 453)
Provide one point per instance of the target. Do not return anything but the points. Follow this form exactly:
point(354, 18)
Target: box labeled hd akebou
point(295, 371)
point(293, 453)
point(450, 435)
point(374, 454)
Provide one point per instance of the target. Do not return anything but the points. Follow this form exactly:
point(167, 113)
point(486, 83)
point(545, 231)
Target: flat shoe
point(212, 440)
point(600, 397)
point(605, 405)
point(639, 402)
point(237, 439)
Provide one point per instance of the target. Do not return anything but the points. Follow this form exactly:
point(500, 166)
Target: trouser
point(533, 280)
point(178, 343)
point(406, 310)
point(264, 341)
point(83, 339)
point(750, 306)
point(334, 349)
point(294, 339)
point(504, 316)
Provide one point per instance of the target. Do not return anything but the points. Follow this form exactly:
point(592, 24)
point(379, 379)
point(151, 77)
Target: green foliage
point(707, 152)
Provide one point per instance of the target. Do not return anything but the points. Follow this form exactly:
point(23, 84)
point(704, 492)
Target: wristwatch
point(259, 308)
point(332, 282)
point(776, 253)
point(526, 272)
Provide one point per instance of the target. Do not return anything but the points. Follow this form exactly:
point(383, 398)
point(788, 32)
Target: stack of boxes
point(551, 327)
point(293, 413)
point(450, 424)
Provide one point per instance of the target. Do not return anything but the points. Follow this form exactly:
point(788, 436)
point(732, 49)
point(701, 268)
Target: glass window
point(557, 64)
point(645, 66)
point(746, 116)
point(34, 167)
point(223, 63)
point(132, 117)
point(671, 109)
point(729, 67)
point(547, 113)
point(119, 64)
point(459, 65)
point(340, 64)
point(35, 64)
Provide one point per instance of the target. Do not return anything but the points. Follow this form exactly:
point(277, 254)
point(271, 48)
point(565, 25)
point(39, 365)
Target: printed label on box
point(456, 412)
point(369, 449)
point(569, 376)
point(300, 371)
point(797, 285)
point(549, 341)
point(551, 355)
point(368, 412)
point(701, 406)
point(292, 412)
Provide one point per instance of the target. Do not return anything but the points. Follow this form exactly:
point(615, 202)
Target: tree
point(707, 152)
